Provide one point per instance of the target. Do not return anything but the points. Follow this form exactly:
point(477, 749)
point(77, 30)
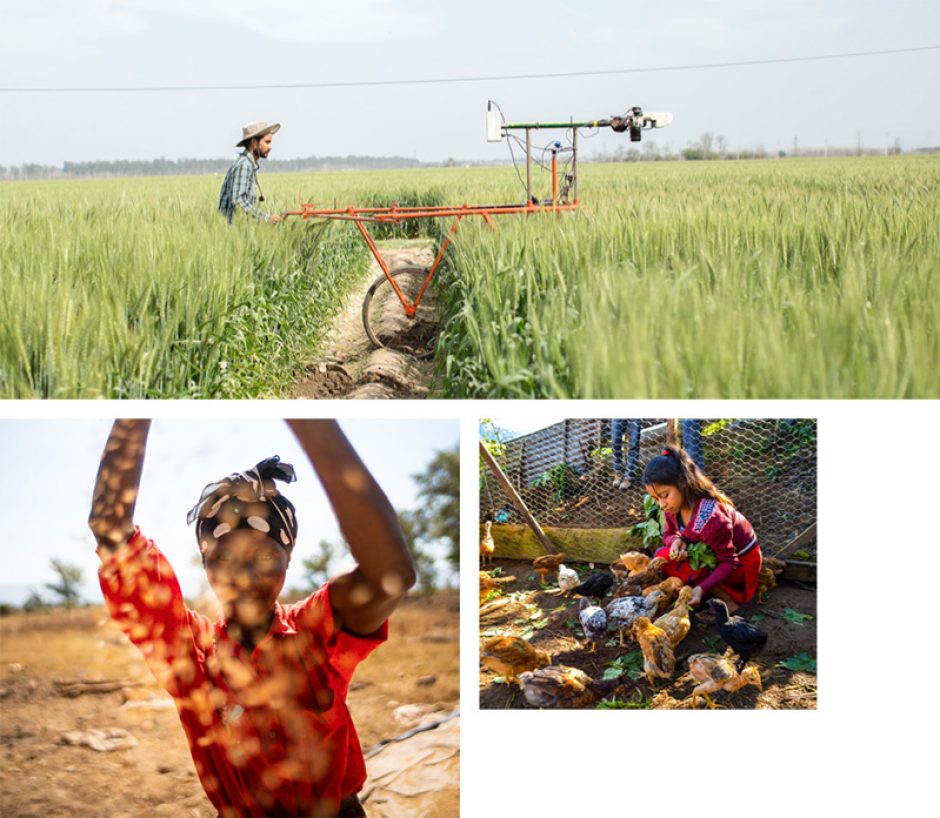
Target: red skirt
point(740, 585)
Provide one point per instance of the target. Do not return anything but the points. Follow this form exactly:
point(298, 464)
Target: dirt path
point(350, 367)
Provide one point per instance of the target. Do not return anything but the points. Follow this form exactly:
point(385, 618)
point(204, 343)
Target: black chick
point(740, 635)
point(596, 586)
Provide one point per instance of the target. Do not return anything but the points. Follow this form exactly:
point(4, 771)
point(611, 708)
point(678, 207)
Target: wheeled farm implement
point(410, 283)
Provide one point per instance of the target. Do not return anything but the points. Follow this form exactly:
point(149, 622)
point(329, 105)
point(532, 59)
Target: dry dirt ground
point(551, 620)
point(350, 367)
point(411, 680)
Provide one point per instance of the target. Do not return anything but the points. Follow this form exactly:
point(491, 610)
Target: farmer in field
point(240, 188)
point(261, 693)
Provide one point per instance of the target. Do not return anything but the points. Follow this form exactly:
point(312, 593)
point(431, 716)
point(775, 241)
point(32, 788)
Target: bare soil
point(524, 606)
point(351, 367)
point(410, 680)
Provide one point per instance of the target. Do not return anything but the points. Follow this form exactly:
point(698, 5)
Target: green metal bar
point(518, 126)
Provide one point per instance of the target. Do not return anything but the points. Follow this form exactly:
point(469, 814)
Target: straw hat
point(257, 129)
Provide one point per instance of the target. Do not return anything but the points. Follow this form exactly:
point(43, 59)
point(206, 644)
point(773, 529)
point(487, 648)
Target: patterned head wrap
point(249, 500)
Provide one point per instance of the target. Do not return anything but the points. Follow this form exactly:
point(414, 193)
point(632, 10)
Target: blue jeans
point(692, 441)
point(618, 429)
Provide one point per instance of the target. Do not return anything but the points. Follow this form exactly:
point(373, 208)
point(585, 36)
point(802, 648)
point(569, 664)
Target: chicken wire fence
point(587, 473)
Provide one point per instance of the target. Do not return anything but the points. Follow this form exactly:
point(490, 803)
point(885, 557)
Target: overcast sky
point(49, 472)
point(145, 43)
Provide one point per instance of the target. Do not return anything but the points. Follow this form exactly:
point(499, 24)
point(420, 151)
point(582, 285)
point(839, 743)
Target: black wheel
point(383, 314)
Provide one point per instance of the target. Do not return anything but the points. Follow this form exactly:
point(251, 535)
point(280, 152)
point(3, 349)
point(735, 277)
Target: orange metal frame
point(394, 214)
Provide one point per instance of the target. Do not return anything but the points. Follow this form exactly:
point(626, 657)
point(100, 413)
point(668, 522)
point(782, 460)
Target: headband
point(247, 500)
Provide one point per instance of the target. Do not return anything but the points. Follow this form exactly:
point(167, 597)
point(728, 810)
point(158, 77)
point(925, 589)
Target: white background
point(869, 748)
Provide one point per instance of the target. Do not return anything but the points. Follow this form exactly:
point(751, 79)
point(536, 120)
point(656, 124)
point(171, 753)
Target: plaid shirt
point(241, 188)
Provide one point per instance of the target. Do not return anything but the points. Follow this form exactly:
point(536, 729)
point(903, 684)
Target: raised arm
point(112, 507)
point(364, 598)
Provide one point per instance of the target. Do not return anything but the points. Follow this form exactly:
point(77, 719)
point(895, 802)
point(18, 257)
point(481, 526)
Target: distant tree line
point(708, 146)
point(190, 166)
point(711, 146)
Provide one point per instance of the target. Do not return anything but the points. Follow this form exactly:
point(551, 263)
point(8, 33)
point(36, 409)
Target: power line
point(492, 78)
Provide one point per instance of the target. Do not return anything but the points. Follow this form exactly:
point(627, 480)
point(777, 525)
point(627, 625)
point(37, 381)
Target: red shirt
point(269, 731)
point(724, 529)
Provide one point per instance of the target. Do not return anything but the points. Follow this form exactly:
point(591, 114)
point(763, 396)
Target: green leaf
point(701, 556)
point(712, 641)
point(802, 661)
point(801, 555)
point(716, 426)
point(796, 617)
point(651, 529)
point(758, 617)
point(629, 663)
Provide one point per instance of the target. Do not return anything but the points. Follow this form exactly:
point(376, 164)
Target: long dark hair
point(675, 468)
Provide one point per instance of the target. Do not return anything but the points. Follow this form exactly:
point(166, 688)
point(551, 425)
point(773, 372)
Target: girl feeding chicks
point(697, 512)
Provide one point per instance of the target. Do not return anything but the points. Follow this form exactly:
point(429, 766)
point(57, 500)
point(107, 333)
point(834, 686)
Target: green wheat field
point(797, 278)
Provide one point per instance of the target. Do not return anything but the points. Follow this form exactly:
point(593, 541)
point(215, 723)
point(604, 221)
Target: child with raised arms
point(261, 693)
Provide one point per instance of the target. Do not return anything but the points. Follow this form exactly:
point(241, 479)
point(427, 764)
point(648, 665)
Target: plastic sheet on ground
point(416, 777)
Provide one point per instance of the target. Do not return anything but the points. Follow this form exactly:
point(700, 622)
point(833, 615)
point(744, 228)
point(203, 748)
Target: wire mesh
point(587, 472)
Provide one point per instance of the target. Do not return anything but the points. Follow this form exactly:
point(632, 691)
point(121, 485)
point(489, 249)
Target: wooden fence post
point(516, 499)
point(672, 436)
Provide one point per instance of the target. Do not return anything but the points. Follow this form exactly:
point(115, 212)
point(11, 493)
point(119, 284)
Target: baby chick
point(743, 637)
point(487, 545)
point(620, 573)
point(714, 672)
point(669, 586)
point(509, 656)
point(624, 611)
point(658, 658)
point(634, 561)
point(548, 564)
point(567, 578)
point(770, 569)
point(677, 623)
point(557, 686)
point(595, 586)
point(593, 622)
point(636, 582)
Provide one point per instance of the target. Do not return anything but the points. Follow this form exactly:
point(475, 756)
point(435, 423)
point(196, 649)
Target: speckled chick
point(593, 622)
